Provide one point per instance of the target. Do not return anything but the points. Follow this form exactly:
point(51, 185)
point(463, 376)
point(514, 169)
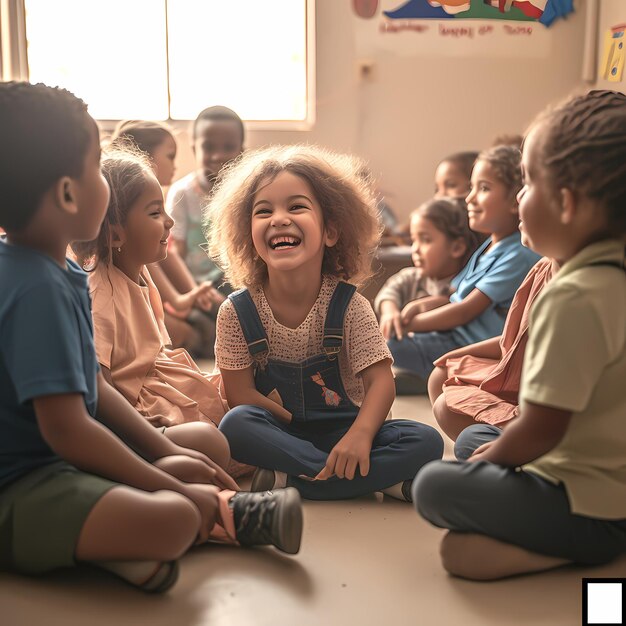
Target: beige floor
point(369, 561)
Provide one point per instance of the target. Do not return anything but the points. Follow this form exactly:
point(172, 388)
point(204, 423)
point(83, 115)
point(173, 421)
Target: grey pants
point(515, 507)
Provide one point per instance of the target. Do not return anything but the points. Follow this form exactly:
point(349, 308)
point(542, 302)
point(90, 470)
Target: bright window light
point(151, 59)
point(113, 57)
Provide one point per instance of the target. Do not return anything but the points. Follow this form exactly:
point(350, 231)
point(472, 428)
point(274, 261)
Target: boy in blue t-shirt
point(66, 478)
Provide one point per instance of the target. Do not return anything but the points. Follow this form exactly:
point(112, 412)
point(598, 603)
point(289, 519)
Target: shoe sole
point(289, 521)
point(169, 578)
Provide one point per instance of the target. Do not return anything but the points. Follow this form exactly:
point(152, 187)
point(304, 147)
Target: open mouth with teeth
point(284, 242)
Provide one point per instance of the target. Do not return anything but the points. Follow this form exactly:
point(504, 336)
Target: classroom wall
point(416, 109)
point(612, 13)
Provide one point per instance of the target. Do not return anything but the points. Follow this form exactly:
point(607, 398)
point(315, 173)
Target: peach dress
point(486, 389)
point(164, 385)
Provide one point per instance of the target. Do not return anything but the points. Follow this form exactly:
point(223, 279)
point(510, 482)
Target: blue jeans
point(399, 450)
point(472, 438)
point(417, 351)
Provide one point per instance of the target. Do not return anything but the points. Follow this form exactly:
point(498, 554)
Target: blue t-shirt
point(46, 348)
point(498, 273)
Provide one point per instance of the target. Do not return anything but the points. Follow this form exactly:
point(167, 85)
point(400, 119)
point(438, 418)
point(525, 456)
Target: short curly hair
point(45, 135)
point(346, 199)
point(584, 149)
point(506, 163)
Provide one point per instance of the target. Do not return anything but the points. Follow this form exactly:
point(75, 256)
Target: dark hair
point(218, 113)
point(45, 135)
point(506, 162)
point(507, 139)
point(463, 160)
point(144, 134)
point(449, 215)
point(584, 149)
point(126, 172)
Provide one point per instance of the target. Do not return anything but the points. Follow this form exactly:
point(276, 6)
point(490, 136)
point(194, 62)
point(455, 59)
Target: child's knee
point(430, 444)
point(214, 444)
point(428, 491)
point(175, 525)
point(237, 423)
point(435, 383)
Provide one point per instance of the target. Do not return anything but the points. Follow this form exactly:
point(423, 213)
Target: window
point(169, 59)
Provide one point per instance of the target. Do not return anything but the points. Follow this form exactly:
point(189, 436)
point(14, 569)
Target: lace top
point(363, 344)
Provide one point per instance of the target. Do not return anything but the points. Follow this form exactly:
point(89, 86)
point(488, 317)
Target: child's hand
point(410, 311)
point(199, 468)
point(351, 451)
point(205, 498)
point(207, 296)
point(391, 324)
point(481, 452)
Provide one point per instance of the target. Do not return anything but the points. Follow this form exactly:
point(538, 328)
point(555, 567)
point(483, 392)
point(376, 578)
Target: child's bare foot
point(478, 557)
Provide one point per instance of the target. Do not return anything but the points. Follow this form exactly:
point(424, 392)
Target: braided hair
point(506, 163)
point(584, 149)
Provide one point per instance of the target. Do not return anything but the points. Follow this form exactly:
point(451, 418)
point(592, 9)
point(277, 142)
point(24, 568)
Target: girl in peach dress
point(480, 383)
point(132, 343)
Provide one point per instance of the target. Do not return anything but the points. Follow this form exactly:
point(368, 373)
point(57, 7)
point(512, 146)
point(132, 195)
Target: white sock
point(135, 572)
point(280, 480)
point(395, 491)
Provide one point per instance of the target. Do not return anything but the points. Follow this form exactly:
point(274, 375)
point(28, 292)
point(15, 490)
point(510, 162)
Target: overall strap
point(251, 325)
point(333, 326)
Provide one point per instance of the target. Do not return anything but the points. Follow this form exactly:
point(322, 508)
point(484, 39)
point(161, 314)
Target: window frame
point(14, 66)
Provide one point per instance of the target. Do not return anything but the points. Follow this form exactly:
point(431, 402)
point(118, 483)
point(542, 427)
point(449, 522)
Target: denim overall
point(313, 392)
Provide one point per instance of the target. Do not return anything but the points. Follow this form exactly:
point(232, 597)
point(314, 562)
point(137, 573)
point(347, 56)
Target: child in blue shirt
point(485, 287)
point(75, 458)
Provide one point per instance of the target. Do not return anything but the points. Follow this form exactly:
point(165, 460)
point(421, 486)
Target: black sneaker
point(269, 518)
point(406, 490)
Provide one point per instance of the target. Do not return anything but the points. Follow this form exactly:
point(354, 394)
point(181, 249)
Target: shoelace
point(250, 526)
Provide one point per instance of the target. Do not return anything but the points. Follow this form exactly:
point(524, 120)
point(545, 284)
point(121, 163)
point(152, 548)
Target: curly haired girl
point(305, 369)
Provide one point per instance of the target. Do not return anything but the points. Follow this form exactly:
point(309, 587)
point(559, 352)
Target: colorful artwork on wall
point(543, 11)
point(612, 64)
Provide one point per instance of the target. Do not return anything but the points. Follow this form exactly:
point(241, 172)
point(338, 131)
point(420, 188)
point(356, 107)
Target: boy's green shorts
point(42, 514)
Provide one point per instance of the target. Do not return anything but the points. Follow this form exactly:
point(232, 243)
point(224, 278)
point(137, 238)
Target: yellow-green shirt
point(576, 361)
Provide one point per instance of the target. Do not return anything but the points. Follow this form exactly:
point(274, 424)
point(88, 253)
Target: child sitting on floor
point(479, 383)
point(83, 478)
point(486, 285)
point(305, 369)
point(442, 244)
point(551, 488)
point(132, 344)
point(186, 314)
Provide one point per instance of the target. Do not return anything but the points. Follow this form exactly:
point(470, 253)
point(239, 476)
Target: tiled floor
point(366, 562)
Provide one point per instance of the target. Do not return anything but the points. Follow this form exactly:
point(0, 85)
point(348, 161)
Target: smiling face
point(491, 207)
point(163, 157)
point(216, 143)
point(450, 181)
point(147, 226)
point(288, 231)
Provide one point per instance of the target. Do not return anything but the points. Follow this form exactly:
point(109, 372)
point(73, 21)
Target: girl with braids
point(551, 489)
point(484, 287)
